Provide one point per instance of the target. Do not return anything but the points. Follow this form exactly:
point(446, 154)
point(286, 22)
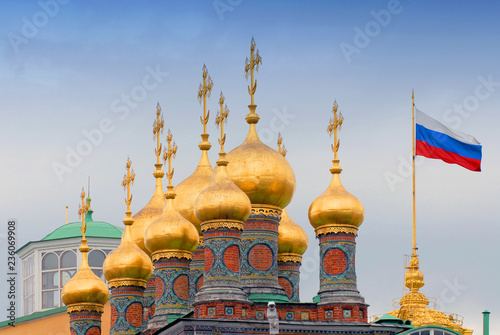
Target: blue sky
point(79, 65)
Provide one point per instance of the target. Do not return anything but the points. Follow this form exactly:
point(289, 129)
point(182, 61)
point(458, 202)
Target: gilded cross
point(281, 146)
point(128, 180)
point(82, 212)
point(334, 126)
point(203, 93)
point(220, 120)
point(251, 65)
point(157, 130)
point(168, 153)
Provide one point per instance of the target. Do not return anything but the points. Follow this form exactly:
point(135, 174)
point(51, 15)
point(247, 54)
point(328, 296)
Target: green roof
point(387, 318)
point(94, 229)
point(37, 315)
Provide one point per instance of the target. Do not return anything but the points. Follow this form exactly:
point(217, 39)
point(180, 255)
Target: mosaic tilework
point(259, 242)
point(289, 279)
point(149, 299)
point(126, 310)
point(85, 323)
point(337, 269)
point(172, 286)
point(196, 269)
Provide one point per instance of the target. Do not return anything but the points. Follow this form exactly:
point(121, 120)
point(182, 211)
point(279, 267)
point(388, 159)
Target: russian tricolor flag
point(434, 140)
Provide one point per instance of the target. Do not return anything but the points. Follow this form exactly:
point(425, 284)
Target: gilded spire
point(157, 131)
point(252, 65)
point(82, 212)
point(219, 122)
point(333, 127)
point(168, 154)
point(154, 207)
point(128, 180)
point(84, 290)
point(281, 147)
point(128, 264)
point(204, 93)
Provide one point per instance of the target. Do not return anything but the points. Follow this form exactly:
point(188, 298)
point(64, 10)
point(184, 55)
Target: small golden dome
point(150, 212)
point(260, 171)
point(171, 231)
point(189, 189)
point(128, 261)
point(291, 237)
point(336, 206)
point(222, 200)
point(85, 286)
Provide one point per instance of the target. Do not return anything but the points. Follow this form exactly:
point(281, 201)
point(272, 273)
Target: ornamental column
point(222, 208)
point(171, 240)
point(149, 214)
point(85, 294)
point(336, 216)
point(190, 188)
point(127, 269)
point(269, 182)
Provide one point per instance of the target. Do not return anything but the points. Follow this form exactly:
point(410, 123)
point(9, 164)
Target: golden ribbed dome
point(189, 189)
point(336, 206)
point(85, 287)
point(222, 200)
point(260, 171)
point(128, 261)
point(291, 237)
point(171, 231)
point(150, 212)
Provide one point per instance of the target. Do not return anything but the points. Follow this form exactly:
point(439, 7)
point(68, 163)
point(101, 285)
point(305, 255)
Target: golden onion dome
point(260, 171)
point(291, 237)
point(171, 231)
point(188, 190)
point(128, 262)
point(85, 287)
point(336, 207)
point(222, 200)
point(150, 212)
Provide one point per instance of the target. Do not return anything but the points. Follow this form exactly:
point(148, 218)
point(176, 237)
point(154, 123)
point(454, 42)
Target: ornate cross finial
point(220, 120)
point(334, 126)
point(82, 212)
point(251, 65)
point(157, 131)
point(281, 146)
point(204, 92)
point(167, 156)
point(128, 180)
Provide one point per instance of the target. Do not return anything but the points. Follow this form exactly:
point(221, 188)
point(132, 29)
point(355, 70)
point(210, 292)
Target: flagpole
point(413, 165)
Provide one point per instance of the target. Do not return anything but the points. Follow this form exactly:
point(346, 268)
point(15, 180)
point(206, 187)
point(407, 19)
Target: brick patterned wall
point(149, 298)
point(259, 248)
point(289, 279)
point(196, 270)
point(172, 286)
point(85, 323)
point(127, 310)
